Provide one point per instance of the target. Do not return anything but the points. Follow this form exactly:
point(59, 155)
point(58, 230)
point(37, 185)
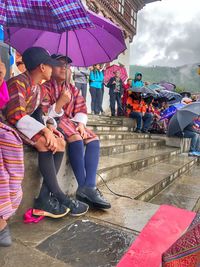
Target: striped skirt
point(68, 128)
point(11, 171)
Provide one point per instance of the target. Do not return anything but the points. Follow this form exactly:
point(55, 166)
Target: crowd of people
point(43, 109)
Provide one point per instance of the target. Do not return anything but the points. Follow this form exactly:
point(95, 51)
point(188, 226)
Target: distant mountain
point(185, 77)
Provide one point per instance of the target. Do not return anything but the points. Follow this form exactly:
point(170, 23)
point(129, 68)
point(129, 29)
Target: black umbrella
point(143, 90)
point(183, 118)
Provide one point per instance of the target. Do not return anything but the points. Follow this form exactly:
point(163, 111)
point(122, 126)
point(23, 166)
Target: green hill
point(185, 77)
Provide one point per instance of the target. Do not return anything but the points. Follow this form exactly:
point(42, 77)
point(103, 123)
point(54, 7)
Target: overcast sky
point(168, 34)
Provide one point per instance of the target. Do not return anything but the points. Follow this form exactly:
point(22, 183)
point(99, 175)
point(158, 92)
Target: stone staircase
point(146, 170)
point(141, 166)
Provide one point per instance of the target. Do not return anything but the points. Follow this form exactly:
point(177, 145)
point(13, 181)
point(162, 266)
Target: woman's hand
point(55, 131)
point(81, 130)
point(65, 98)
point(51, 141)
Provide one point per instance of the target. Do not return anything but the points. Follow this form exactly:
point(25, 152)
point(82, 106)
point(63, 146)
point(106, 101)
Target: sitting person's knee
point(74, 138)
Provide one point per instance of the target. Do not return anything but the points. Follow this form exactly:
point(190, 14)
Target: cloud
point(166, 36)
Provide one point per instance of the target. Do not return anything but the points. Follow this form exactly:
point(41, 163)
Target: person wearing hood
point(137, 82)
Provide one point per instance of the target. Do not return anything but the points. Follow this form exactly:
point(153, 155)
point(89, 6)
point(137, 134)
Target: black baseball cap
point(34, 56)
point(60, 56)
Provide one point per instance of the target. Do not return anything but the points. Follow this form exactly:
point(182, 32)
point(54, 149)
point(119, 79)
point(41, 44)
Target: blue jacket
point(136, 83)
point(96, 79)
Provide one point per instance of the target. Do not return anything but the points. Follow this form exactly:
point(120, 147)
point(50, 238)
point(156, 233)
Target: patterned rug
point(185, 252)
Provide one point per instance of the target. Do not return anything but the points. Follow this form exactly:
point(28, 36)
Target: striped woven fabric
point(75, 106)
point(49, 15)
point(185, 252)
point(11, 171)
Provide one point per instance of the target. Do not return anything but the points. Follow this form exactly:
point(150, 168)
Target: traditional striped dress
point(74, 112)
point(11, 171)
point(25, 98)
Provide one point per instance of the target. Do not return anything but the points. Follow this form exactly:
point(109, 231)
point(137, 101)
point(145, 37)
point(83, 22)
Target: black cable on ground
point(116, 194)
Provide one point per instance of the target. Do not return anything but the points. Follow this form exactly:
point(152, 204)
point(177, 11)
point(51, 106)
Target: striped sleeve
point(16, 107)
point(80, 108)
point(16, 110)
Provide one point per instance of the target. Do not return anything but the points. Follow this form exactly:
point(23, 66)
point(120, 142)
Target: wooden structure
point(122, 12)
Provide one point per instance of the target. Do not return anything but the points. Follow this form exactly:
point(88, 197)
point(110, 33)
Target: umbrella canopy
point(155, 86)
point(49, 15)
point(172, 97)
point(167, 85)
point(110, 72)
point(144, 90)
point(183, 118)
point(99, 44)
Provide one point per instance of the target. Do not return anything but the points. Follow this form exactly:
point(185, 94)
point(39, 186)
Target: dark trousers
point(83, 88)
point(101, 109)
point(96, 95)
point(143, 122)
point(195, 140)
point(116, 97)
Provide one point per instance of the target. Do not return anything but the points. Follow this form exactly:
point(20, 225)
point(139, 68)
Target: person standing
point(96, 84)
point(80, 78)
point(11, 168)
point(137, 82)
point(116, 91)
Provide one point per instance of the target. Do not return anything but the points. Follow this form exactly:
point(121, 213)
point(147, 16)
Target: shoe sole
point(92, 204)
point(37, 212)
point(80, 214)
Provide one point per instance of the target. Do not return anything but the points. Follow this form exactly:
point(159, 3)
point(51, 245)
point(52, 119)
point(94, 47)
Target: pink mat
point(163, 229)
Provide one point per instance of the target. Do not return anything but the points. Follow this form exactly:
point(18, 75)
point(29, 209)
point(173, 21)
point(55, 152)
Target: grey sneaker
point(93, 197)
point(77, 208)
point(5, 237)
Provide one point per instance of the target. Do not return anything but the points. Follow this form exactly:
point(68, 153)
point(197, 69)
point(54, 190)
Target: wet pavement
point(85, 243)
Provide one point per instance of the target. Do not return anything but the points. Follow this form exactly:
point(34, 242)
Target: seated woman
point(11, 168)
point(84, 160)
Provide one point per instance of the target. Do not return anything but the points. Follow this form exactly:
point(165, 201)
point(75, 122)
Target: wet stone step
point(121, 135)
point(147, 183)
point(112, 147)
point(109, 128)
point(117, 165)
point(183, 193)
point(86, 243)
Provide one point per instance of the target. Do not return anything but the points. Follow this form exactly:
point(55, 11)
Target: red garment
point(76, 106)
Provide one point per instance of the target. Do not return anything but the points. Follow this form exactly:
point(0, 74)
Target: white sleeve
point(80, 117)
point(29, 126)
point(52, 113)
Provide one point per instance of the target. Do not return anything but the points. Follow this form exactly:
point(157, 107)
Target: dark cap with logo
point(34, 56)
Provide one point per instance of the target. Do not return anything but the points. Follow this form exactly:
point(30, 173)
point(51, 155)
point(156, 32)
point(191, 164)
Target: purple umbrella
point(99, 44)
point(168, 86)
point(49, 15)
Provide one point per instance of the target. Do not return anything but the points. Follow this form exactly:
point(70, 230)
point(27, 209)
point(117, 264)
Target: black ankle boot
point(93, 197)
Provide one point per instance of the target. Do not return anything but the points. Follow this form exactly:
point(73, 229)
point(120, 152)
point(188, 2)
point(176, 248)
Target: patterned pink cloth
point(11, 171)
point(4, 96)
